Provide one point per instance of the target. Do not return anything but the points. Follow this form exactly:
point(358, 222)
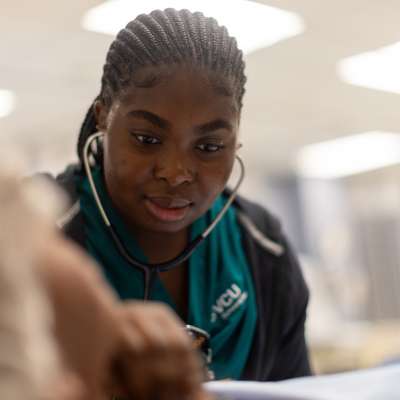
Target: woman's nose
point(175, 169)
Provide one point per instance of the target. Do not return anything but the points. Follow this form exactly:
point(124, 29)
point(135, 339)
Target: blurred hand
point(134, 349)
point(156, 359)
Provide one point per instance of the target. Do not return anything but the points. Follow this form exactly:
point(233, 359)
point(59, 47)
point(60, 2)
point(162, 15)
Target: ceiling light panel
point(348, 156)
point(7, 102)
point(377, 69)
point(254, 25)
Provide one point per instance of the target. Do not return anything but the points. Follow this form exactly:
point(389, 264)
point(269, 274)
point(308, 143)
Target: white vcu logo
point(228, 302)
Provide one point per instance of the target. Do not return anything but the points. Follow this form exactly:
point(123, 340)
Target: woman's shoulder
point(268, 246)
point(65, 180)
point(260, 215)
point(71, 220)
point(259, 224)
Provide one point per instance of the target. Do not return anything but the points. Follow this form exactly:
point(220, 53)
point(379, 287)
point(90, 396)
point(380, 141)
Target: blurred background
point(320, 131)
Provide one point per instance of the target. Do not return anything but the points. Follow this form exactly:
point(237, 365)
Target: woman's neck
point(161, 246)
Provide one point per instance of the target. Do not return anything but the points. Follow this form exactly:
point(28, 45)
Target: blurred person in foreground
point(63, 335)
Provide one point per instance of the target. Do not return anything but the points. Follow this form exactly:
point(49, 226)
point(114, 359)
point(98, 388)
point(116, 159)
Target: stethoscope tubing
point(151, 270)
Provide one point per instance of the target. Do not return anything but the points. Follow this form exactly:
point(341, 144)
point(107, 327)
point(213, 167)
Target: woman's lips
point(167, 209)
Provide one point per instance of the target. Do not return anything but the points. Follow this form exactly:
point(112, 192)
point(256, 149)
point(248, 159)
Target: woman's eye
point(210, 147)
point(146, 139)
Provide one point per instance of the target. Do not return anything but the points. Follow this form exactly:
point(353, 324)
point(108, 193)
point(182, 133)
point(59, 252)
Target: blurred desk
point(360, 345)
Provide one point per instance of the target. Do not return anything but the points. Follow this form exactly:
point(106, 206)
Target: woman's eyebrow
point(214, 125)
point(150, 117)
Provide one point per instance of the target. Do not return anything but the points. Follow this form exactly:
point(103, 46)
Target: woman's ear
point(239, 146)
point(100, 113)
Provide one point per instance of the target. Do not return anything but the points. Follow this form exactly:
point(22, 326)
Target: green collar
point(221, 293)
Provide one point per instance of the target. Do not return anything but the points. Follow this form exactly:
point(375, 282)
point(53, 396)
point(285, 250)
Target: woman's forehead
point(189, 89)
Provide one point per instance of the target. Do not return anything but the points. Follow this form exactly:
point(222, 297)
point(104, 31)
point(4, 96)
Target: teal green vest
point(221, 293)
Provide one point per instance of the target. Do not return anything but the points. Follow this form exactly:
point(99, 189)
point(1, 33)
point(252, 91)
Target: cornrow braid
point(164, 38)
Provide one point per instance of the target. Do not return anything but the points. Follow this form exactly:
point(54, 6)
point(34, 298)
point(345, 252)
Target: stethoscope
point(150, 271)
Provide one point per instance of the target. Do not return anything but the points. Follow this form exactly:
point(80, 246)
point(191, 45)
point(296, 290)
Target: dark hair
point(165, 38)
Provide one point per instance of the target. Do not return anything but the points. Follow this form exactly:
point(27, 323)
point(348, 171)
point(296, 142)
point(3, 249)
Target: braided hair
point(165, 38)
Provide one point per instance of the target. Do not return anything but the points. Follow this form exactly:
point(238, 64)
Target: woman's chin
point(167, 228)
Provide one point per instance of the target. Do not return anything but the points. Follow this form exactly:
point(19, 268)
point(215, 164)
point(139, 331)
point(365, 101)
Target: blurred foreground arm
point(63, 334)
point(139, 350)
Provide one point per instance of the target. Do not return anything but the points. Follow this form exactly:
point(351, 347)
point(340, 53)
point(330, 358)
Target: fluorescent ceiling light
point(254, 25)
point(377, 69)
point(349, 155)
point(7, 102)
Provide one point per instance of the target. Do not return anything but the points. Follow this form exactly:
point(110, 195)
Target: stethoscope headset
point(150, 271)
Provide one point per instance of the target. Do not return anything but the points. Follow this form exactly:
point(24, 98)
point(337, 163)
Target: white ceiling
point(294, 96)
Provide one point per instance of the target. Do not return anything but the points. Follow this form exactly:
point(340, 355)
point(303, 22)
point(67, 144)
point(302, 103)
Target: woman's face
point(169, 148)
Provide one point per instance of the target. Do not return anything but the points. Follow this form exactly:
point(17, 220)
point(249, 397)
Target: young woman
point(156, 150)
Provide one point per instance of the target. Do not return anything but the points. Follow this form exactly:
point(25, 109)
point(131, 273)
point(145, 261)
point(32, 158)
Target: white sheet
point(373, 384)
